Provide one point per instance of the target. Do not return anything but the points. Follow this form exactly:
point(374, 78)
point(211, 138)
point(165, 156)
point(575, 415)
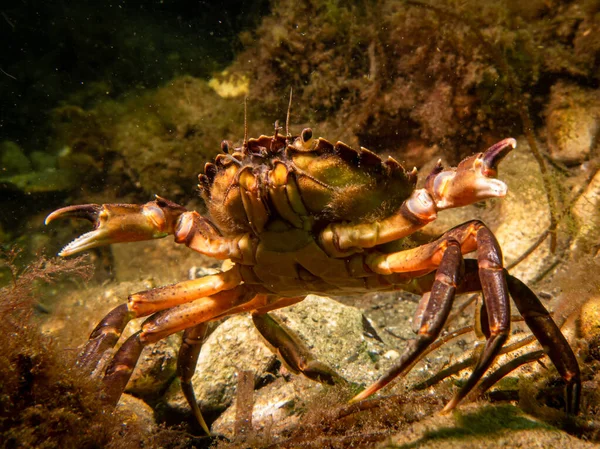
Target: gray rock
point(234, 346)
point(336, 335)
point(333, 331)
point(573, 122)
point(155, 368)
point(523, 215)
point(275, 407)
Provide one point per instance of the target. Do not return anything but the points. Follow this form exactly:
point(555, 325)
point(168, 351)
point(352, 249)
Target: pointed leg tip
point(360, 396)
point(451, 406)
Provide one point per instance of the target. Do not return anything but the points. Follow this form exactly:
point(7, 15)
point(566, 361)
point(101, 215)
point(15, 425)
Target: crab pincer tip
point(88, 212)
point(494, 154)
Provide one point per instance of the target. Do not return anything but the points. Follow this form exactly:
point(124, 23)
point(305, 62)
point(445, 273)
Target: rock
point(275, 407)
point(483, 426)
point(235, 345)
point(573, 122)
point(136, 412)
point(333, 331)
point(155, 368)
point(336, 335)
point(523, 215)
point(586, 211)
point(589, 325)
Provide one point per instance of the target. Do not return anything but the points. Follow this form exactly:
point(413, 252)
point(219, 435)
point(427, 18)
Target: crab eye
point(306, 134)
point(225, 147)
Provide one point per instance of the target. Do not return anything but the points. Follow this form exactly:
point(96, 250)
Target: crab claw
point(472, 181)
point(115, 223)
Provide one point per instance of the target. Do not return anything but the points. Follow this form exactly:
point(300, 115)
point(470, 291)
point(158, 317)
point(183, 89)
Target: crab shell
point(307, 184)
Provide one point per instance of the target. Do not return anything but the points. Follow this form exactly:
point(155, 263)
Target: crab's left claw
point(114, 223)
point(473, 180)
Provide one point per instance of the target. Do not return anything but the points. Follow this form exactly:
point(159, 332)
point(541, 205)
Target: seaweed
point(46, 401)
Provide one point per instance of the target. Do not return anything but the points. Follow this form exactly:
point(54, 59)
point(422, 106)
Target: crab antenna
point(287, 118)
point(245, 145)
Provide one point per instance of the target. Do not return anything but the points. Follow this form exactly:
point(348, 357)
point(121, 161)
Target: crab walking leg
point(104, 336)
point(109, 330)
point(292, 351)
point(193, 339)
point(157, 299)
point(495, 297)
point(437, 305)
point(161, 325)
point(471, 236)
point(175, 319)
point(550, 337)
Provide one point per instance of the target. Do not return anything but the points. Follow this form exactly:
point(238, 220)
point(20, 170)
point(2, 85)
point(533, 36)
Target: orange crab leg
point(167, 322)
point(109, 330)
point(163, 324)
point(147, 302)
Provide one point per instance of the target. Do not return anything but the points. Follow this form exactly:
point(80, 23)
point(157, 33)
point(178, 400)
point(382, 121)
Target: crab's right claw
point(115, 223)
point(473, 180)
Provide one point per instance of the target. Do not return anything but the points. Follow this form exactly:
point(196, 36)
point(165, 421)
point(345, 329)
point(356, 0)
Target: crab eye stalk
point(225, 147)
point(306, 134)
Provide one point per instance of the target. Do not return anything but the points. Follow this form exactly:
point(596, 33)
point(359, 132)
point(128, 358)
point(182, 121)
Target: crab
point(298, 215)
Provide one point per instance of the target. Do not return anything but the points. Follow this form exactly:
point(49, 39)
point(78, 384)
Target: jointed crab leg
point(544, 329)
point(104, 336)
point(437, 307)
point(550, 337)
point(107, 332)
point(495, 296)
point(292, 351)
point(470, 236)
point(161, 298)
point(163, 324)
point(193, 339)
point(175, 319)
